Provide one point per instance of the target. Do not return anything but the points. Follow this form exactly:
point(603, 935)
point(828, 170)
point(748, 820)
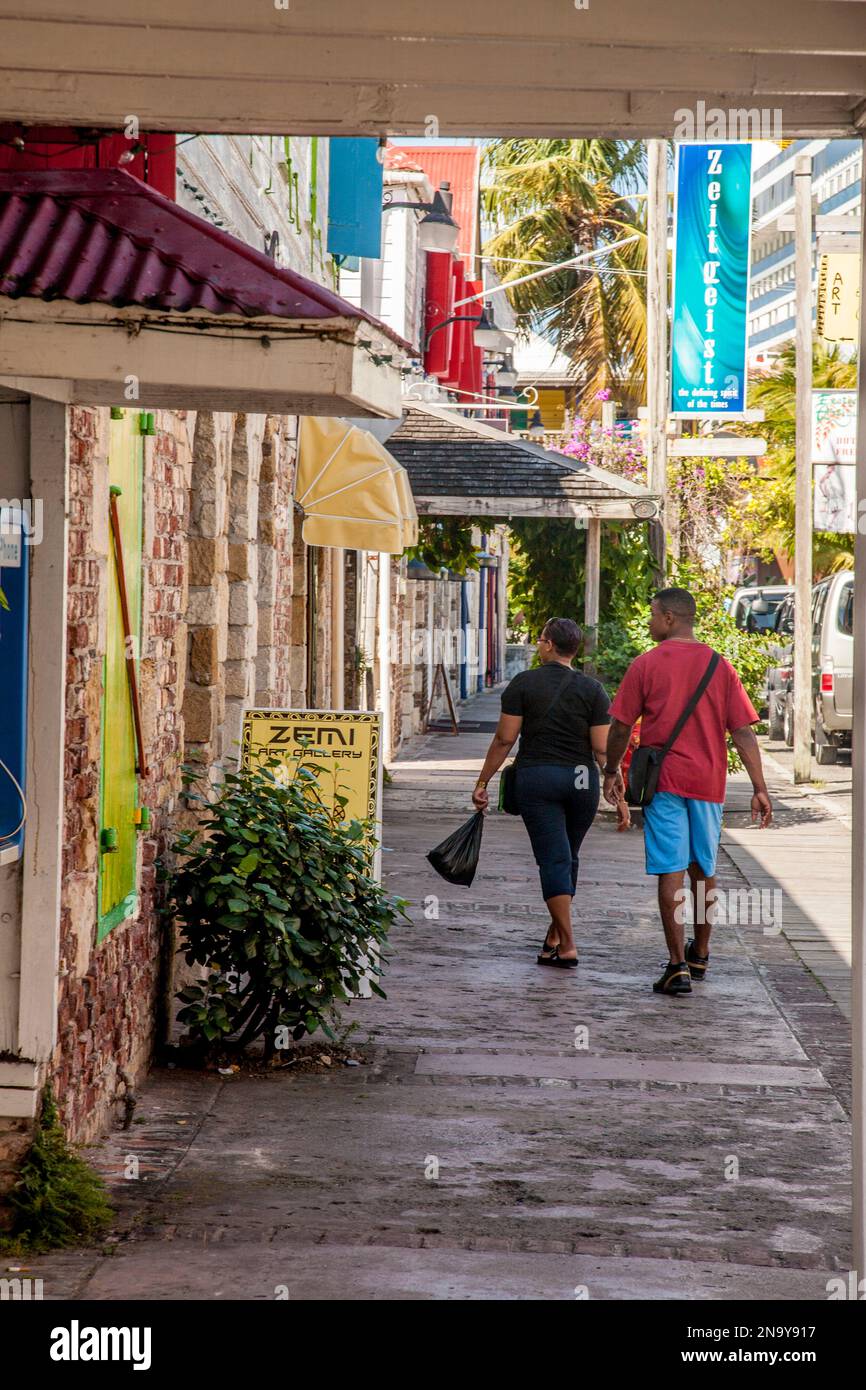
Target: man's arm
point(746, 745)
point(617, 742)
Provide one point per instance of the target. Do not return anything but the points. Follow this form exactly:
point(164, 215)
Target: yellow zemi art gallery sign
point(344, 744)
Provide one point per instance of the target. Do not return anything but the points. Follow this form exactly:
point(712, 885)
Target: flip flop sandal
point(545, 950)
point(558, 961)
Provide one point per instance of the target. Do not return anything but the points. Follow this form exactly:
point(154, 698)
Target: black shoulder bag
point(508, 776)
point(646, 762)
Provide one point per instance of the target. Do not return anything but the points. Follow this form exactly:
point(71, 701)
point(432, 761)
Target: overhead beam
point(248, 106)
point(793, 26)
point(104, 49)
point(607, 509)
point(388, 68)
point(127, 357)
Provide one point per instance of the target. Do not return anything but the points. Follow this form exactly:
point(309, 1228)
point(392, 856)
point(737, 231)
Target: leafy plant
point(57, 1199)
point(446, 544)
point(549, 201)
point(277, 900)
point(764, 525)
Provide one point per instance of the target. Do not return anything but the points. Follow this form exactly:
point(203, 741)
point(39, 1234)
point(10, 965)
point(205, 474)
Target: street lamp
point(437, 231)
point(486, 333)
point(506, 373)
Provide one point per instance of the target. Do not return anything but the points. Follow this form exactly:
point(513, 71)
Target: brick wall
point(108, 993)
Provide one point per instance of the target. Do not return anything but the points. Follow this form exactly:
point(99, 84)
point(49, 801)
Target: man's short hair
point(565, 635)
point(679, 602)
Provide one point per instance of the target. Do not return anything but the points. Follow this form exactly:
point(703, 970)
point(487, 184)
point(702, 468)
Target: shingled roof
point(458, 465)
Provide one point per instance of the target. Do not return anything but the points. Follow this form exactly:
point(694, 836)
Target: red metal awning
point(98, 236)
point(102, 279)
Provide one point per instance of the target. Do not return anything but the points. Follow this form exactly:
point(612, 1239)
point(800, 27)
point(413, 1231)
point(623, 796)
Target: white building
point(836, 187)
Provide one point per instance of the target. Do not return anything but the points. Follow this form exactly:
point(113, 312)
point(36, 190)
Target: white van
point(832, 664)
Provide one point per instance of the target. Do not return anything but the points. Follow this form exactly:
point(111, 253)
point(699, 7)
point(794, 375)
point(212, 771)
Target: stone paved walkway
point(693, 1149)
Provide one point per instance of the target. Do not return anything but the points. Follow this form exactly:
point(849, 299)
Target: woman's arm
point(598, 739)
point(501, 744)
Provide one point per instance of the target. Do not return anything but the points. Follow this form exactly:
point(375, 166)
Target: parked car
point(832, 665)
point(780, 674)
point(832, 670)
point(753, 609)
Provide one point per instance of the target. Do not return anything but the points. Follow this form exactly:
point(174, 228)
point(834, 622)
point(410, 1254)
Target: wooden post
point(338, 644)
point(858, 833)
point(657, 340)
point(592, 594)
point(803, 496)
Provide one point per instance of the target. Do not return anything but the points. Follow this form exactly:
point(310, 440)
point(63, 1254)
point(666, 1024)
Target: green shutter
point(119, 787)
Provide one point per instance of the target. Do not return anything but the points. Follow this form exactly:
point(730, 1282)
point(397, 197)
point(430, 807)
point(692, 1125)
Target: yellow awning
point(354, 494)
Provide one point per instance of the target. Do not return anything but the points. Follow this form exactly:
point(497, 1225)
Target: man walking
point(682, 823)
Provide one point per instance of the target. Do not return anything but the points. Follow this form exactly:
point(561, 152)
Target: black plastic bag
point(457, 857)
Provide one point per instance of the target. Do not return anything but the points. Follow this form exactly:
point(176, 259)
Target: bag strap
point(689, 710)
point(554, 702)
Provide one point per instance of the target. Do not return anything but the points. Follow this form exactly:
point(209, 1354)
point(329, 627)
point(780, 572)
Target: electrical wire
point(12, 778)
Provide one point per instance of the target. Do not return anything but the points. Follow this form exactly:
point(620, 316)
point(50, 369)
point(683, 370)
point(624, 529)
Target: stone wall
point(223, 625)
point(108, 992)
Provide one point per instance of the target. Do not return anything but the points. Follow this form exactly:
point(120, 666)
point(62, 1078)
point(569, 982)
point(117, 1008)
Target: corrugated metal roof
point(103, 237)
point(448, 457)
point(458, 165)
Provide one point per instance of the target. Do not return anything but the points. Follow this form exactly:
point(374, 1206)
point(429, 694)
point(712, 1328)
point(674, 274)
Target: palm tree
point(550, 200)
point(770, 518)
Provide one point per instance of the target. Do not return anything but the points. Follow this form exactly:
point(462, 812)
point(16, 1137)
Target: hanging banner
point(712, 226)
point(345, 745)
point(834, 426)
point(835, 498)
point(838, 304)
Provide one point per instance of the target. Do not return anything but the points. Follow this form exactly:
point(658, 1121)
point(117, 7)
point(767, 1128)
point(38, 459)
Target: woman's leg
point(543, 793)
point(580, 812)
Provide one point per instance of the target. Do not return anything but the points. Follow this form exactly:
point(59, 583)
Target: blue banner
point(712, 223)
point(355, 197)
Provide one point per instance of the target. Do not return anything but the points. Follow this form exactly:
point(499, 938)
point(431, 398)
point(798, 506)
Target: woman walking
point(562, 719)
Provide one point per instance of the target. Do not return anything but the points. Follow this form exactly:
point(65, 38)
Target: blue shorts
point(679, 831)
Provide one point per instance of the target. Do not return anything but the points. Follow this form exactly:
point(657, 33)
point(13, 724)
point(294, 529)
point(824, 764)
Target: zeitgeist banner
point(712, 225)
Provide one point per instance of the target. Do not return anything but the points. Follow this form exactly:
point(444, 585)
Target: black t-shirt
point(563, 737)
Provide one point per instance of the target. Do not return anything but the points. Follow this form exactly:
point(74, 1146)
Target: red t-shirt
point(656, 689)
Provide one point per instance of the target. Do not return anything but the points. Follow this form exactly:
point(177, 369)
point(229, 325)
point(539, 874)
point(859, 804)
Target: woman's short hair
point(565, 635)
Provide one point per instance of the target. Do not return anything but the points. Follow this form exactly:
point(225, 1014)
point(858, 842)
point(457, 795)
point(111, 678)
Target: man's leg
point(666, 842)
point(705, 828)
point(704, 906)
point(671, 904)
point(666, 845)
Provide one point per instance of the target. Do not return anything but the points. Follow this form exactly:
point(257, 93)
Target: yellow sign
point(838, 297)
point(344, 744)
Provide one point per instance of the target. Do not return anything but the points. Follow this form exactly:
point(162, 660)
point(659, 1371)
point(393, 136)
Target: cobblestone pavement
point(693, 1148)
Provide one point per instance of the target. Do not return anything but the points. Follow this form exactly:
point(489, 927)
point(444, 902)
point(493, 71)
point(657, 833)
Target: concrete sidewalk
point(516, 1132)
point(807, 859)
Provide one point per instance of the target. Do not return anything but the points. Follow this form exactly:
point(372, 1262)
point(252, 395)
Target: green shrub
point(277, 899)
point(57, 1200)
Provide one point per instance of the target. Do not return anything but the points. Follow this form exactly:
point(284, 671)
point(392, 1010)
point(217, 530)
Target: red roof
point(401, 161)
point(102, 237)
point(460, 166)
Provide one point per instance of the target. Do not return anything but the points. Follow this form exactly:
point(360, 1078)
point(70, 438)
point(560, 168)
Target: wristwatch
point(610, 771)
point(480, 786)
